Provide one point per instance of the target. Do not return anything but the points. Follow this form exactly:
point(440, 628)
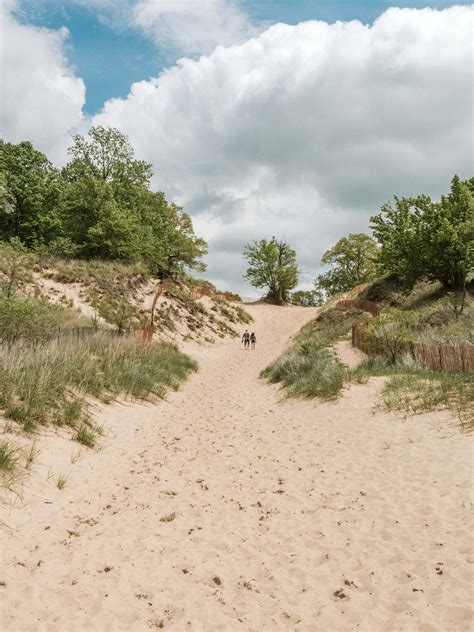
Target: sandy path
point(225, 509)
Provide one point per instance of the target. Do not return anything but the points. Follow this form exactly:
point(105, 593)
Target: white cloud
point(192, 27)
point(304, 131)
point(42, 99)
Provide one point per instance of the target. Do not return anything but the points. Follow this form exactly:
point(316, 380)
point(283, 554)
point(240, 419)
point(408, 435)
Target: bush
point(31, 320)
point(15, 267)
point(390, 333)
point(309, 371)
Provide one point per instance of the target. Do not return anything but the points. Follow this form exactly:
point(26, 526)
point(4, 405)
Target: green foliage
point(15, 267)
point(30, 189)
point(118, 311)
point(86, 436)
point(307, 298)
point(8, 457)
point(308, 371)
point(391, 333)
point(352, 261)
point(32, 321)
point(108, 156)
point(100, 205)
point(272, 265)
point(419, 237)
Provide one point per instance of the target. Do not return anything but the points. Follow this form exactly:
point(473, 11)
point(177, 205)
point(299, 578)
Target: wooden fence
point(434, 357)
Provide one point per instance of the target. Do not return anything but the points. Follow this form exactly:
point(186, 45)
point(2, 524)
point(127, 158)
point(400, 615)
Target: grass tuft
point(61, 482)
point(8, 457)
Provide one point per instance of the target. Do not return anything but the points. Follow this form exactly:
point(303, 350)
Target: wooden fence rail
point(434, 357)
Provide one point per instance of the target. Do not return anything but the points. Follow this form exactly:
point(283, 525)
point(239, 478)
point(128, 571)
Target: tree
point(307, 298)
point(170, 245)
point(30, 188)
point(272, 265)
point(110, 212)
point(107, 155)
point(352, 260)
point(422, 238)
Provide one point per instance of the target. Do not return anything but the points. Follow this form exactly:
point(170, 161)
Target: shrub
point(15, 267)
point(390, 333)
point(31, 320)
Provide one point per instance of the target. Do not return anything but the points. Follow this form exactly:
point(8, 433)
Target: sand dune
point(225, 509)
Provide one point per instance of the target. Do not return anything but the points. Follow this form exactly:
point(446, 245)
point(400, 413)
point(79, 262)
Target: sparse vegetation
point(412, 390)
point(61, 482)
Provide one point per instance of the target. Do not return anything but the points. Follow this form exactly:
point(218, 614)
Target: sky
point(267, 117)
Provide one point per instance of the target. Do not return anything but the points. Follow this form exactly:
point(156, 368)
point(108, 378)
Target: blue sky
point(110, 58)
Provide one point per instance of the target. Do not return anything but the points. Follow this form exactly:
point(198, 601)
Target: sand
point(227, 508)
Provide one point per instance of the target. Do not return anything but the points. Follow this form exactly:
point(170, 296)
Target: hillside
point(109, 295)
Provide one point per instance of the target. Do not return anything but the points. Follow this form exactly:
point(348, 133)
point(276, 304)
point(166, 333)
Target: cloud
point(42, 99)
point(192, 27)
point(177, 27)
point(305, 130)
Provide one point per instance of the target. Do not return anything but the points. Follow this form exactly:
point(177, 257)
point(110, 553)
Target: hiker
point(253, 340)
point(246, 339)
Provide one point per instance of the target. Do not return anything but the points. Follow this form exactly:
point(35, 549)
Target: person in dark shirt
point(253, 340)
point(246, 339)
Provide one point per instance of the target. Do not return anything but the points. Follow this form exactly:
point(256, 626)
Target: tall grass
point(308, 368)
point(50, 383)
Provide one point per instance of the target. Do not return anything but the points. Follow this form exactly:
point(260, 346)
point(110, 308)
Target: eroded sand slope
point(227, 509)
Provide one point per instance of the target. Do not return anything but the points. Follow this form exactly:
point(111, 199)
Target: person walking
point(253, 340)
point(246, 339)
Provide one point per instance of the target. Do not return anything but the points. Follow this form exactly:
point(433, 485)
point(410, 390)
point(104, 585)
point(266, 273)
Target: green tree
point(107, 155)
point(422, 238)
point(352, 261)
point(307, 298)
point(30, 190)
point(110, 212)
point(272, 265)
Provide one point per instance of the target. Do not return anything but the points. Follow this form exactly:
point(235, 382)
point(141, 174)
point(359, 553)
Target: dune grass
point(50, 383)
point(412, 389)
point(308, 368)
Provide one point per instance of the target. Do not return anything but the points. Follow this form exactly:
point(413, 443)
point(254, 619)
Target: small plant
point(15, 266)
point(8, 457)
point(75, 456)
point(31, 454)
point(61, 482)
point(455, 302)
point(86, 436)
